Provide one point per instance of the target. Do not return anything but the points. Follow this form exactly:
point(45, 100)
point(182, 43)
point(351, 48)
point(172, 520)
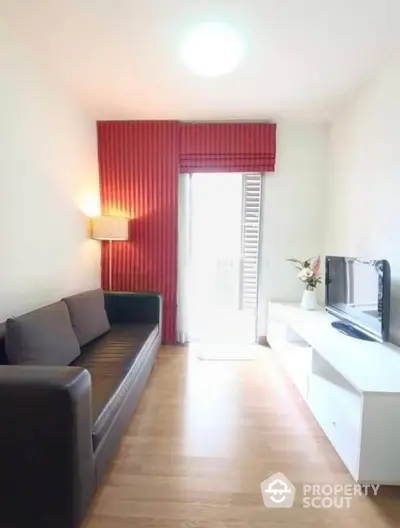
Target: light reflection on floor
point(216, 324)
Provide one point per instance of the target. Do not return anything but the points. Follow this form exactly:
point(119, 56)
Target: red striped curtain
point(227, 147)
point(139, 166)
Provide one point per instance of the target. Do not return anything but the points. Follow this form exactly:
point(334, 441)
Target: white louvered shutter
point(251, 214)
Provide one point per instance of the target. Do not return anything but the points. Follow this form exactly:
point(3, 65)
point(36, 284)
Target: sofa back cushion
point(3, 355)
point(42, 337)
point(88, 315)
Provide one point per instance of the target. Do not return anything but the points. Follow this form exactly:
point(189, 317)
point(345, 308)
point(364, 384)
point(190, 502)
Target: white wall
point(48, 173)
point(293, 211)
point(363, 190)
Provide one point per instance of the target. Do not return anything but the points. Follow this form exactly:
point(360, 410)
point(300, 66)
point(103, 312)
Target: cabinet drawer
point(342, 433)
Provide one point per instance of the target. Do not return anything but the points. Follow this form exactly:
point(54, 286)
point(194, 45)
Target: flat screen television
point(357, 291)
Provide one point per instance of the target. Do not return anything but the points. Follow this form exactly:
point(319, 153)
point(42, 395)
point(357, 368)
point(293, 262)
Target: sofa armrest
point(47, 475)
point(132, 307)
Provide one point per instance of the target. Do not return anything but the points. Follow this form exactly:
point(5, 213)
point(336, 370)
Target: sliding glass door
point(219, 233)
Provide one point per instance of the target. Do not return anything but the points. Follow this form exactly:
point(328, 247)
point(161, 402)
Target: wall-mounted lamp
point(110, 228)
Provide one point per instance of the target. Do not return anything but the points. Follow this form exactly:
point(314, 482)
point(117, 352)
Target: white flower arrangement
point(308, 272)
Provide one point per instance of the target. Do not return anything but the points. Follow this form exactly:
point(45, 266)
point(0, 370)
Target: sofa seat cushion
point(88, 315)
point(112, 361)
point(42, 337)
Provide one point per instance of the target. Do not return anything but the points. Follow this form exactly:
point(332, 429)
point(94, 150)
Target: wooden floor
point(206, 434)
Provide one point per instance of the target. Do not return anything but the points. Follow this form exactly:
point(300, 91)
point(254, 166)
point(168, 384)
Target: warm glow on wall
point(113, 211)
point(90, 204)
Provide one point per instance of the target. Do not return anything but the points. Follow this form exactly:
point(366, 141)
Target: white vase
point(309, 300)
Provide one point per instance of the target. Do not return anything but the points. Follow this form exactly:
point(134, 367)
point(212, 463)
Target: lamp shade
point(110, 228)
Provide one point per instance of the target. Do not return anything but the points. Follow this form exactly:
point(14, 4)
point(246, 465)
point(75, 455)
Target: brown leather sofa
point(61, 424)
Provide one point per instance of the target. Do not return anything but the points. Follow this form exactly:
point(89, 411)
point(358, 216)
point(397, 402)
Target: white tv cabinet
point(352, 388)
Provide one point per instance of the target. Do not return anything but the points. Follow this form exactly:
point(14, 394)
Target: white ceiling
point(120, 57)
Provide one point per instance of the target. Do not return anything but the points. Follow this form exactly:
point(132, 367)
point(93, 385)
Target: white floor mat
point(223, 352)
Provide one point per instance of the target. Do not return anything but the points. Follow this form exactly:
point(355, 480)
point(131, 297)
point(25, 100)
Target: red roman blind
point(227, 147)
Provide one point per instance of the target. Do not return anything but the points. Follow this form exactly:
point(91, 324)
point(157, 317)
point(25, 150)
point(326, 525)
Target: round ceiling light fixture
point(212, 49)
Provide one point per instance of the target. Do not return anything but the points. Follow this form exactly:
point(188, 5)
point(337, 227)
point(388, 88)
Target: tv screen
point(358, 291)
